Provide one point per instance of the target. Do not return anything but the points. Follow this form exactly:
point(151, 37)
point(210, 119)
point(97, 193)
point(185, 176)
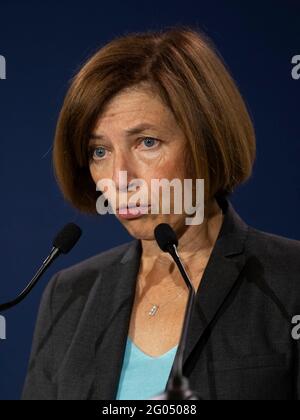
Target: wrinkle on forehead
point(134, 106)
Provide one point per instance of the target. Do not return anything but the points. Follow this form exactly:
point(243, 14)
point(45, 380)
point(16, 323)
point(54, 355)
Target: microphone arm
point(188, 311)
point(62, 244)
point(178, 387)
point(55, 252)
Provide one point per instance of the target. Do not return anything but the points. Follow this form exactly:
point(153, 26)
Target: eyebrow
point(129, 132)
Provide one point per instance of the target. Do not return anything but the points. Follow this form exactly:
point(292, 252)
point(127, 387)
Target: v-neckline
point(136, 348)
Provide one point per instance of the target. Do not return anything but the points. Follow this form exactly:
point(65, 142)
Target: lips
point(133, 210)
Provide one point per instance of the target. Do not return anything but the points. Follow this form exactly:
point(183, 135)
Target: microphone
point(65, 240)
point(178, 387)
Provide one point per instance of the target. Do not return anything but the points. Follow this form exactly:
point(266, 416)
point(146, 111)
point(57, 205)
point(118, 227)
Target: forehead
point(133, 106)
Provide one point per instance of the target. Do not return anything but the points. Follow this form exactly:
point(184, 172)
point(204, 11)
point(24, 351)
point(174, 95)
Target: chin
point(144, 229)
point(141, 229)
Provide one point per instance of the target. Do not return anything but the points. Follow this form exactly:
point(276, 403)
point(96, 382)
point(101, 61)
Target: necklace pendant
point(153, 310)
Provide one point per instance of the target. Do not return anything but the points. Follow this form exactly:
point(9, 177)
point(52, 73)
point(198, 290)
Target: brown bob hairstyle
point(183, 66)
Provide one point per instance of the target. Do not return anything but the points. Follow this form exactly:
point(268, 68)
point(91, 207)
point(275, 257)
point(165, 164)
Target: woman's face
point(138, 134)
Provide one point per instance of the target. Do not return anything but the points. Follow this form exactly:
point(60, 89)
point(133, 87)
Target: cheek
point(175, 166)
point(96, 173)
point(171, 166)
point(171, 170)
point(93, 174)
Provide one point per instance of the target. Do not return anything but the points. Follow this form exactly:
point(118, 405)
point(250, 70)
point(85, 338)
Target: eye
point(97, 153)
point(149, 142)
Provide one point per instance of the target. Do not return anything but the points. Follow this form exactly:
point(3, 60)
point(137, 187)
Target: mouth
point(131, 211)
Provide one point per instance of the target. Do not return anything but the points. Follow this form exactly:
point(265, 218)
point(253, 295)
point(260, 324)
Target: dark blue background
point(44, 44)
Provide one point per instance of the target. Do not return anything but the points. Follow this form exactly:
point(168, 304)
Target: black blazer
point(240, 345)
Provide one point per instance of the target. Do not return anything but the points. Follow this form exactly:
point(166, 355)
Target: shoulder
point(273, 246)
point(82, 276)
point(274, 260)
point(99, 261)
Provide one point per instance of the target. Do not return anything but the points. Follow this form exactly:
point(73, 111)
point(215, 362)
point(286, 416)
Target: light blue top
point(144, 376)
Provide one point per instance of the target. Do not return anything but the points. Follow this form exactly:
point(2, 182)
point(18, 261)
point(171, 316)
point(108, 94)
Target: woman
point(162, 105)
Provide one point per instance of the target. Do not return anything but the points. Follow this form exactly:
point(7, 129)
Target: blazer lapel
point(220, 276)
point(118, 295)
point(94, 360)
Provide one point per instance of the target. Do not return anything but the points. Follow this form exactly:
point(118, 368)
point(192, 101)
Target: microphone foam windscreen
point(67, 238)
point(165, 236)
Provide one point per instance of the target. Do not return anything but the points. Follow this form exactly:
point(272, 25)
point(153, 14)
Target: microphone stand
point(55, 252)
point(178, 387)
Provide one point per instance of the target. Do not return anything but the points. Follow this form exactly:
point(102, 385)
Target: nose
point(123, 174)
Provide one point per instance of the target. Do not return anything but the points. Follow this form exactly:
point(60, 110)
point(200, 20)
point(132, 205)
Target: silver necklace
point(155, 307)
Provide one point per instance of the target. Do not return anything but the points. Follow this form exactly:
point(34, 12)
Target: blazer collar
point(94, 361)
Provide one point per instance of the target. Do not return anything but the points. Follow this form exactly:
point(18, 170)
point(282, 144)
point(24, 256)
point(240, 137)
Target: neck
point(194, 242)
point(158, 271)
